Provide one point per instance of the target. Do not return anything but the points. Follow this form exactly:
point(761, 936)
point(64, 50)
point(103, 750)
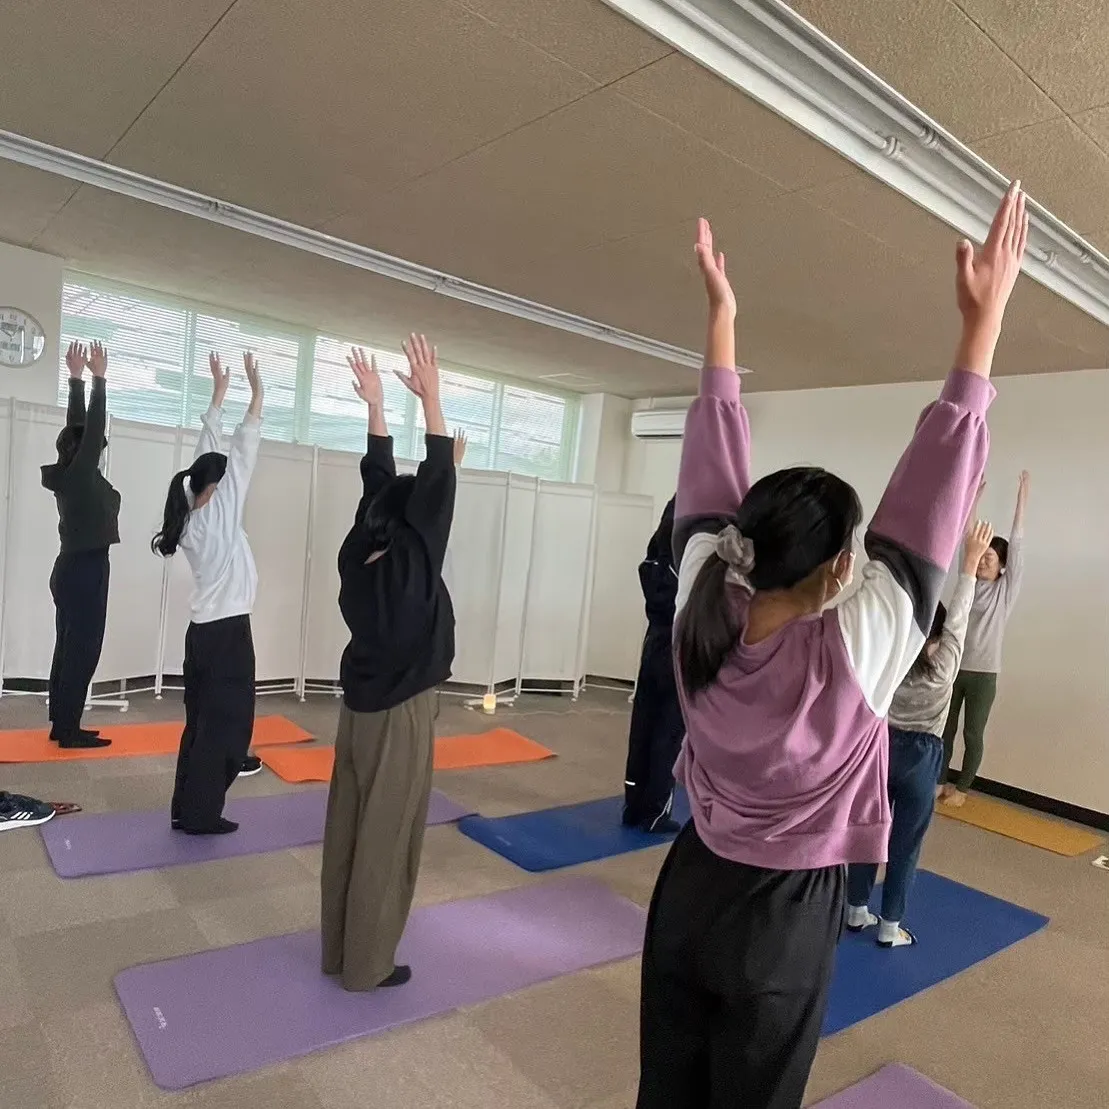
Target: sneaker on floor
point(661, 826)
point(251, 766)
point(401, 976)
point(17, 811)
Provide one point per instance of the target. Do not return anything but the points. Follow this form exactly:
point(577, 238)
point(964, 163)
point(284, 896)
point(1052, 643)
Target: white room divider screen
point(535, 568)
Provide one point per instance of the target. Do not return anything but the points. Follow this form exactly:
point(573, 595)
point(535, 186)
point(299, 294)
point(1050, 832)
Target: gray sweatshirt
point(993, 602)
point(921, 702)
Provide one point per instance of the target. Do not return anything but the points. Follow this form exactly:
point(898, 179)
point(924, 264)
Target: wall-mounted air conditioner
point(658, 423)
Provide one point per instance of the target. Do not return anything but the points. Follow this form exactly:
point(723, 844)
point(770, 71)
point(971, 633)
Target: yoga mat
point(134, 739)
point(117, 843)
point(895, 1087)
point(233, 1010)
point(566, 835)
point(1028, 827)
point(499, 747)
point(956, 927)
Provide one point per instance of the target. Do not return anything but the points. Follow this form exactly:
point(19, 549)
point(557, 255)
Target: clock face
point(22, 339)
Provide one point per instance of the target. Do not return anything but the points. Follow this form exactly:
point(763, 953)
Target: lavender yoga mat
point(116, 843)
point(236, 1009)
point(895, 1087)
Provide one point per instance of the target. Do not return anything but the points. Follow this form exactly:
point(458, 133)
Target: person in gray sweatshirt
point(917, 711)
point(999, 578)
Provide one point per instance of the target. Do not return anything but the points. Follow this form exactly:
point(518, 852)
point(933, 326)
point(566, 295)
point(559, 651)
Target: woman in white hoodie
point(204, 517)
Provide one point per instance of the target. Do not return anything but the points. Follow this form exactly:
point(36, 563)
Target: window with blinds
point(159, 374)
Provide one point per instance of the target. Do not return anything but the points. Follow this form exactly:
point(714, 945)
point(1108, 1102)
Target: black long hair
point(796, 520)
point(1001, 546)
point(924, 665)
point(68, 442)
point(386, 512)
point(207, 470)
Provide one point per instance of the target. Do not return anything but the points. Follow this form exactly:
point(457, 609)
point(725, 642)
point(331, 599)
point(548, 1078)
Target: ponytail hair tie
point(187, 486)
point(735, 549)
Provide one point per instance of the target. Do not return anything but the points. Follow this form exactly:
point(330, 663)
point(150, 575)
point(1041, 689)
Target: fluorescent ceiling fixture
point(771, 53)
point(115, 179)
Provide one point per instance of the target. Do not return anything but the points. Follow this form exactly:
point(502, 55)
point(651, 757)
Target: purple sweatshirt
point(786, 752)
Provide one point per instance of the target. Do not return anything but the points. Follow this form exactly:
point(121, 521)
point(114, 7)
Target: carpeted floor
point(1026, 1030)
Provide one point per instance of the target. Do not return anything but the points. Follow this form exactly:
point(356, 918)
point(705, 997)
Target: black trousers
point(79, 586)
point(655, 736)
point(736, 968)
point(219, 718)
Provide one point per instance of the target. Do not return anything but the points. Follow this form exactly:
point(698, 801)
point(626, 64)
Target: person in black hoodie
point(657, 729)
point(88, 524)
point(393, 600)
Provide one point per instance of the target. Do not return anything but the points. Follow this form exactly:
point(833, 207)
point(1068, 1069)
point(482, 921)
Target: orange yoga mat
point(135, 739)
point(499, 747)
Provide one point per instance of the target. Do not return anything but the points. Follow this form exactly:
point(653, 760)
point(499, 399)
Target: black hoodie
point(88, 505)
point(656, 573)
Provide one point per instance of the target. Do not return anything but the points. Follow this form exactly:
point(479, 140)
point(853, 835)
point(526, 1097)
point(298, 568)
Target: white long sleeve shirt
point(225, 580)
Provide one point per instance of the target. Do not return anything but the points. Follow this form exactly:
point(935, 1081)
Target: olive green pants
point(376, 814)
point(974, 693)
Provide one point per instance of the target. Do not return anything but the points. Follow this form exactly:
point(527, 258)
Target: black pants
point(219, 718)
point(655, 736)
point(736, 968)
point(79, 586)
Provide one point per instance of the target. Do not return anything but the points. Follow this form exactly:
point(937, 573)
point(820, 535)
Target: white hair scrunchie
point(186, 484)
point(735, 549)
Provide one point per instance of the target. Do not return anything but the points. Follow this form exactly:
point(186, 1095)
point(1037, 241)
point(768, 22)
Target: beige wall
point(33, 282)
point(1050, 729)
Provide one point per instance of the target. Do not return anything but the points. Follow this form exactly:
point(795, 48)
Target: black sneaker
point(17, 811)
point(251, 766)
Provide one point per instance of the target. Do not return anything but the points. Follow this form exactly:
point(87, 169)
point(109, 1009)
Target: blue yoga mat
point(565, 836)
point(956, 927)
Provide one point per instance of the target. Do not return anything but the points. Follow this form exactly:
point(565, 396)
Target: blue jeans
point(916, 759)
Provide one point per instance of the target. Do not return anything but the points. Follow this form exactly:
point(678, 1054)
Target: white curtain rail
point(115, 179)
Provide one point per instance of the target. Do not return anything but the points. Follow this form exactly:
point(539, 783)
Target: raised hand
point(76, 359)
point(257, 392)
point(460, 444)
point(1022, 486)
point(979, 537)
point(423, 368)
point(367, 380)
point(711, 263)
point(221, 378)
point(98, 359)
point(984, 280)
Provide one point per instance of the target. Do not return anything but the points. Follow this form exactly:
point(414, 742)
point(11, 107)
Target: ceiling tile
point(29, 199)
point(76, 73)
point(304, 110)
point(703, 104)
point(1063, 45)
point(585, 34)
point(934, 55)
point(1061, 167)
point(1096, 124)
point(598, 170)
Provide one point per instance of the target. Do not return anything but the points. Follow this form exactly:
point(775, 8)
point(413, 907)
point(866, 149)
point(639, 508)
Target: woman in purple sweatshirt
point(785, 700)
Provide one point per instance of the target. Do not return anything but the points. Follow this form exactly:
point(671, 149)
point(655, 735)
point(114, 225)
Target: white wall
point(33, 282)
point(601, 447)
point(1050, 728)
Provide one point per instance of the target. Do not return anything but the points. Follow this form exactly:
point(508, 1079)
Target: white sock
point(859, 916)
point(891, 933)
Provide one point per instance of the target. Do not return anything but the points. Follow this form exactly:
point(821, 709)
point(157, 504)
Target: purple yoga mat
point(895, 1087)
point(116, 843)
point(236, 1009)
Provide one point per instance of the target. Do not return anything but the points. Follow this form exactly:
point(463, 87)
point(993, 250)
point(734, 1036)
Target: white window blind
point(159, 374)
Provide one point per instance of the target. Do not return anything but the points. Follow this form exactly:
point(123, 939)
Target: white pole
point(492, 691)
point(527, 588)
point(305, 600)
point(587, 594)
point(9, 495)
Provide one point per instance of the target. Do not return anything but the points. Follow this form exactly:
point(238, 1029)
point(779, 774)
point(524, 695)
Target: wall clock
point(22, 339)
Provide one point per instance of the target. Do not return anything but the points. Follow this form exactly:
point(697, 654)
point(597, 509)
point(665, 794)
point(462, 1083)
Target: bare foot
point(957, 799)
point(944, 792)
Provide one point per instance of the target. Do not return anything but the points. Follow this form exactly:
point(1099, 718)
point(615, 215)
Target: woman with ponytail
point(204, 518)
point(785, 699)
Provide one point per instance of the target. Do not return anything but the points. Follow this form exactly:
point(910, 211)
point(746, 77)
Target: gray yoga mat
point(117, 843)
point(895, 1087)
point(233, 1010)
